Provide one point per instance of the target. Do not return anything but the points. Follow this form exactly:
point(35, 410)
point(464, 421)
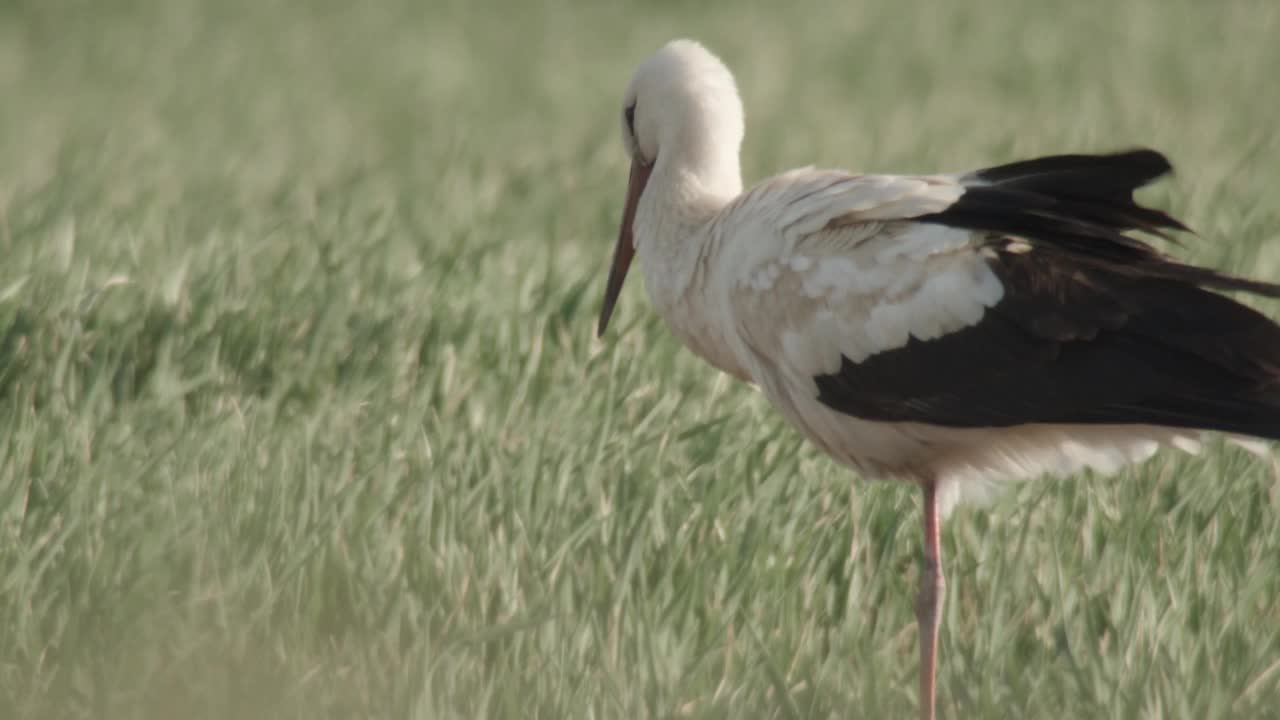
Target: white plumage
point(955, 331)
point(863, 290)
point(776, 284)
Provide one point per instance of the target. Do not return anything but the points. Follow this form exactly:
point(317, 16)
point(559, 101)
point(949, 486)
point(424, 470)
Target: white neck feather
point(675, 231)
point(693, 179)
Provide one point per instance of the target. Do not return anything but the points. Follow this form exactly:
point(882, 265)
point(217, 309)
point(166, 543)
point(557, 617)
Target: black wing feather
point(1094, 325)
point(1083, 205)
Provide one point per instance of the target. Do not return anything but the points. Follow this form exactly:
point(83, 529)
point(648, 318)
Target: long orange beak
point(626, 247)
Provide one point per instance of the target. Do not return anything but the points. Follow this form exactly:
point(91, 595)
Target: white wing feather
point(841, 270)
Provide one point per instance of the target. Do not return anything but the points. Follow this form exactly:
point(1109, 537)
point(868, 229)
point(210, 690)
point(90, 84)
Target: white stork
point(954, 331)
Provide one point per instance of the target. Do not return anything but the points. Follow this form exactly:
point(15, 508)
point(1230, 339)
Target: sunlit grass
point(301, 414)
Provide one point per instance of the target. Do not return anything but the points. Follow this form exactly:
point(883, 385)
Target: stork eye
point(630, 115)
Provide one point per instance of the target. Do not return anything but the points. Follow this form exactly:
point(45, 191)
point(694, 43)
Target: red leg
point(929, 601)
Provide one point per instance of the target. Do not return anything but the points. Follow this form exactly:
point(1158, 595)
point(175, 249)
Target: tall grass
point(301, 414)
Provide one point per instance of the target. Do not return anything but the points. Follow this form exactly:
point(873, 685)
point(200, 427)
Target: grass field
point(301, 414)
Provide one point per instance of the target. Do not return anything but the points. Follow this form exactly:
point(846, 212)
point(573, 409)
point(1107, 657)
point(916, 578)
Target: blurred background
point(301, 414)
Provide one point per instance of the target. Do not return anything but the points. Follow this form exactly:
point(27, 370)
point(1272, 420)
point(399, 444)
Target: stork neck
point(677, 239)
point(696, 173)
point(673, 220)
point(701, 159)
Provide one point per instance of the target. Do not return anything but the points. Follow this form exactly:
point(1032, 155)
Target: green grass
point(301, 414)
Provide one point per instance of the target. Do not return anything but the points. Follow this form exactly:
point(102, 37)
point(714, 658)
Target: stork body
point(955, 331)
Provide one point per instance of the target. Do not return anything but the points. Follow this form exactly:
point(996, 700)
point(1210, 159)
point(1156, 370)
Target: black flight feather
point(1094, 326)
point(1083, 205)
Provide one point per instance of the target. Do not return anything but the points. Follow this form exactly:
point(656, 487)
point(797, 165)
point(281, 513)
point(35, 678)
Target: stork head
point(682, 104)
